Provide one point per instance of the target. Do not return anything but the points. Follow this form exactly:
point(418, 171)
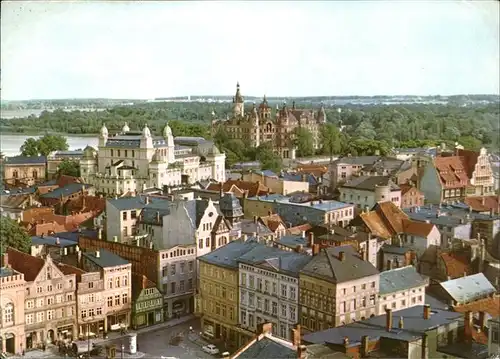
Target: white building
point(130, 162)
point(401, 288)
point(366, 191)
point(269, 289)
point(494, 336)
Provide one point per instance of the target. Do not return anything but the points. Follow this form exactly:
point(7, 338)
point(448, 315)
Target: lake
point(11, 143)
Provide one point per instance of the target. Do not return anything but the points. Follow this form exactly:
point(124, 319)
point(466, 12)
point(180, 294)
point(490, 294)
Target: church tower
point(169, 139)
point(238, 103)
point(103, 136)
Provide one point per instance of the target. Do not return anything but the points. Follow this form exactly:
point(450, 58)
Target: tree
point(30, 148)
point(330, 140)
point(44, 145)
point(304, 142)
point(69, 168)
point(268, 159)
point(51, 143)
point(13, 235)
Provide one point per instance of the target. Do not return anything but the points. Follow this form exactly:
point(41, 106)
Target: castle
point(258, 125)
point(132, 161)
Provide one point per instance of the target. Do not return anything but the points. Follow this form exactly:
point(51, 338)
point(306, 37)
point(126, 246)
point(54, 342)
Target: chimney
point(389, 264)
point(65, 251)
point(99, 233)
point(346, 341)
point(388, 319)
point(265, 328)
point(298, 248)
point(144, 282)
point(401, 323)
point(427, 311)
point(296, 336)
point(269, 213)
point(255, 219)
point(97, 254)
point(482, 320)
point(310, 240)
point(303, 234)
point(157, 217)
point(341, 256)
point(115, 238)
point(365, 340)
point(5, 260)
point(221, 191)
point(79, 257)
point(301, 352)
point(146, 199)
point(468, 327)
point(315, 249)
point(425, 344)
point(58, 242)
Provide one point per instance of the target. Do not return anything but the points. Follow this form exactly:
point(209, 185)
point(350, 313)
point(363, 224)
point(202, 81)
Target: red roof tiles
point(24, 263)
point(239, 188)
point(484, 204)
point(456, 264)
point(452, 171)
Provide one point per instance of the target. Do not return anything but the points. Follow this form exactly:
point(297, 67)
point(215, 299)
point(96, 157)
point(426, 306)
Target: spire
point(125, 128)
point(104, 131)
point(264, 100)
point(238, 98)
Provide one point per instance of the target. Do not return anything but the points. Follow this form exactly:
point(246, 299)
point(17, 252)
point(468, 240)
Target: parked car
point(210, 349)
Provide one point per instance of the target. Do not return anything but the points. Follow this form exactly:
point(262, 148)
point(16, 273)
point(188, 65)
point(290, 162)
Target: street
point(156, 343)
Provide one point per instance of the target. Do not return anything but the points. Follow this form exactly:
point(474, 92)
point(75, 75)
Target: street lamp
point(88, 320)
point(123, 348)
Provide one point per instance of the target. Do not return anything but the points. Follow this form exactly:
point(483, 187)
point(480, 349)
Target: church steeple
point(238, 103)
point(238, 98)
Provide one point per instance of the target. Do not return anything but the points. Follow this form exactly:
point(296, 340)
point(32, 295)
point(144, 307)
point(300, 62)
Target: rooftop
point(106, 258)
point(467, 289)
point(369, 183)
point(67, 190)
point(414, 323)
point(52, 241)
point(227, 255)
point(325, 206)
point(268, 346)
point(21, 160)
point(401, 279)
point(329, 265)
point(292, 241)
point(24, 263)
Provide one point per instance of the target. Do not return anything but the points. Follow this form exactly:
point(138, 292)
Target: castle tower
point(238, 103)
point(382, 193)
point(264, 109)
point(103, 136)
point(146, 138)
point(169, 138)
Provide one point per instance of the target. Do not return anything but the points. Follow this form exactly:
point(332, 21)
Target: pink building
point(12, 289)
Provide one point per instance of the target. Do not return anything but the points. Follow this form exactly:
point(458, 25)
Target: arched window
point(35, 174)
point(8, 313)
point(15, 174)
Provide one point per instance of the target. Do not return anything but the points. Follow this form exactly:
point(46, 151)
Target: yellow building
point(337, 287)
point(217, 298)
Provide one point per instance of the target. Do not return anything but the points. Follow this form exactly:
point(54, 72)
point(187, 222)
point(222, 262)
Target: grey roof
point(414, 326)
point(106, 258)
point(268, 348)
point(389, 248)
point(435, 303)
point(24, 160)
point(189, 140)
point(67, 190)
point(51, 241)
point(227, 255)
point(153, 209)
point(469, 288)
point(400, 279)
point(137, 202)
point(249, 226)
point(123, 142)
point(292, 241)
point(7, 272)
point(369, 183)
point(357, 160)
point(275, 259)
point(75, 235)
point(327, 265)
point(449, 215)
point(230, 206)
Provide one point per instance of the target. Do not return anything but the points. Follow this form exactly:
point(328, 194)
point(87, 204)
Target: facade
point(217, 299)
point(12, 304)
point(295, 210)
point(452, 178)
point(269, 289)
point(50, 299)
point(130, 162)
point(116, 273)
point(259, 126)
point(494, 336)
point(401, 288)
point(337, 287)
point(343, 169)
point(57, 157)
point(277, 184)
point(23, 171)
point(410, 196)
point(147, 302)
point(366, 191)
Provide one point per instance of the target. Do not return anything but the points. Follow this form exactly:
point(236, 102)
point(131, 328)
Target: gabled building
point(366, 191)
point(282, 184)
point(337, 287)
point(147, 302)
point(50, 299)
point(24, 171)
point(465, 290)
point(410, 196)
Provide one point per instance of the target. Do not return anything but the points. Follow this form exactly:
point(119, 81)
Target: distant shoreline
point(38, 133)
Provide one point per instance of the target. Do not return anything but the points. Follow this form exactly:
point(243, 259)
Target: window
point(251, 281)
point(69, 297)
point(363, 286)
point(266, 305)
point(292, 293)
point(50, 301)
point(393, 305)
point(172, 288)
point(110, 283)
point(39, 289)
point(30, 304)
point(133, 214)
point(124, 215)
point(181, 286)
point(266, 286)
point(283, 310)
point(125, 280)
point(91, 312)
point(190, 266)
point(99, 311)
point(372, 299)
point(117, 299)
point(172, 269)
point(124, 298)
point(207, 242)
point(40, 316)
point(40, 302)
point(251, 299)
point(495, 337)
point(182, 267)
point(8, 313)
point(243, 279)
point(275, 308)
point(200, 243)
point(190, 284)
point(342, 307)
point(29, 318)
point(59, 286)
point(283, 290)
point(117, 282)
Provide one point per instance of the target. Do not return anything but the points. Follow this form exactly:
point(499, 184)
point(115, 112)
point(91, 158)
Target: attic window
point(211, 214)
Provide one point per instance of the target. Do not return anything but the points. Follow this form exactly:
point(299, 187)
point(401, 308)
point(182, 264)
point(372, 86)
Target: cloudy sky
point(154, 49)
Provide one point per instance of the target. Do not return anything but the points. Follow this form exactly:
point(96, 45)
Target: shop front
point(118, 321)
point(146, 319)
point(176, 308)
point(94, 329)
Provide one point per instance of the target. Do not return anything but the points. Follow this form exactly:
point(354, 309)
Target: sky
point(157, 49)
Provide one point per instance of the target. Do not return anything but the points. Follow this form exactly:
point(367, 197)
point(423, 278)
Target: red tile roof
point(273, 221)
point(87, 204)
point(140, 282)
point(240, 187)
point(421, 229)
point(456, 264)
point(69, 269)
point(297, 230)
point(66, 180)
point(24, 263)
point(484, 204)
point(469, 160)
point(489, 305)
point(452, 171)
